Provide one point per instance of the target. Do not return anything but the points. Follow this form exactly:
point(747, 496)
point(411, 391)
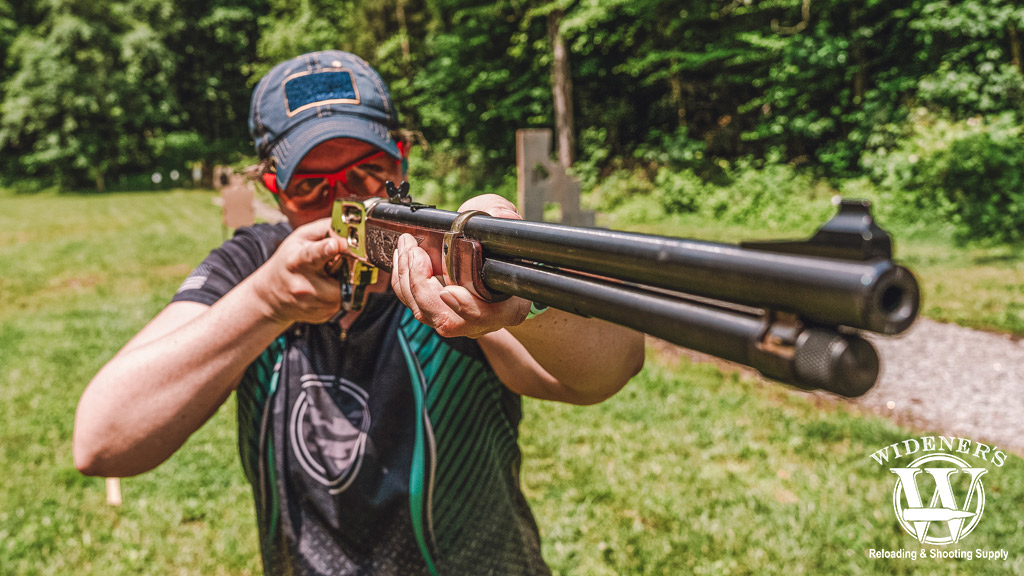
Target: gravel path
point(953, 380)
point(940, 378)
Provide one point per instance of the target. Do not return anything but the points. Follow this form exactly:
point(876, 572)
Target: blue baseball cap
point(316, 97)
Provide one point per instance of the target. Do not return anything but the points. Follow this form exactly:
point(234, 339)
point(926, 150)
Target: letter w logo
point(916, 518)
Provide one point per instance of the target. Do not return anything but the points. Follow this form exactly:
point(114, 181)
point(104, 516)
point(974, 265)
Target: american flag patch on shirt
point(197, 279)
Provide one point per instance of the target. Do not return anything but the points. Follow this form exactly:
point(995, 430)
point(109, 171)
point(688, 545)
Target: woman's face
point(338, 168)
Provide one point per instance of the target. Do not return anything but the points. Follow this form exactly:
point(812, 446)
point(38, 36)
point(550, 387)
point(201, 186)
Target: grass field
point(688, 470)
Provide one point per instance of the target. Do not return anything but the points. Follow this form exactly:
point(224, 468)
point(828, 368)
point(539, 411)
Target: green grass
point(980, 287)
point(686, 471)
point(81, 274)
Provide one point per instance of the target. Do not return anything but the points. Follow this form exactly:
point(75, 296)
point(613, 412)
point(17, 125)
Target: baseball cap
point(316, 97)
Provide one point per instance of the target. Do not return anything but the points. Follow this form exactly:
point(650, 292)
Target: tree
point(480, 78)
point(215, 54)
point(838, 85)
point(89, 88)
point(288, 29)
point(94, 90)
point(976, 45)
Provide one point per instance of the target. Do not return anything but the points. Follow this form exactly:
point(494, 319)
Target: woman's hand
point(293, 285)
point(453, 310)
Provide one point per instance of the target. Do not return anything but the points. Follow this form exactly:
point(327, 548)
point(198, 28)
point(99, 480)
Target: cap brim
point(292, 148)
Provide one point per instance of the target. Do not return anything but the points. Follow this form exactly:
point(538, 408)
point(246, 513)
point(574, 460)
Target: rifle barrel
point(875, 295)
point(844, 364)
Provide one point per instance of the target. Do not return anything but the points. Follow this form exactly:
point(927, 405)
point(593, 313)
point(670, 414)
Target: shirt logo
point(328, 427)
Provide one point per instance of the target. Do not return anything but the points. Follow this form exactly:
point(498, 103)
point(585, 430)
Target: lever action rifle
point(790, 310)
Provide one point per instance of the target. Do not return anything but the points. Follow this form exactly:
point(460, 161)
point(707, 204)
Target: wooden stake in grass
point(114, 491)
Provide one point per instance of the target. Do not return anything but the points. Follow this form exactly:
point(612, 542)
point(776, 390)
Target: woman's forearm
point(167, 382)
point(564, 357)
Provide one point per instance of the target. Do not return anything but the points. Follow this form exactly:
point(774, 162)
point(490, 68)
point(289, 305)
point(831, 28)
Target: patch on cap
point(326, 86)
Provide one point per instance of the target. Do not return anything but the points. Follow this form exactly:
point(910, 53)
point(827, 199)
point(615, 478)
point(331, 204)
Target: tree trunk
point(860, 63)
point(676, 87)
point(403, 29)
point(1015, 48)
point(561, 88)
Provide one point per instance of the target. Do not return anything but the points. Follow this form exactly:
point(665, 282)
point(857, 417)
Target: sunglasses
point(363, 178)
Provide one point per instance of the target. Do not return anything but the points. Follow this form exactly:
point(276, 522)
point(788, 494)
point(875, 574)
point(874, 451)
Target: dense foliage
point(92, 92)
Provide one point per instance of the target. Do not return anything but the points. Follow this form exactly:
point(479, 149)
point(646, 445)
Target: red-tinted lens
point(270, 181)
point(309, 193)
point(363, 178)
